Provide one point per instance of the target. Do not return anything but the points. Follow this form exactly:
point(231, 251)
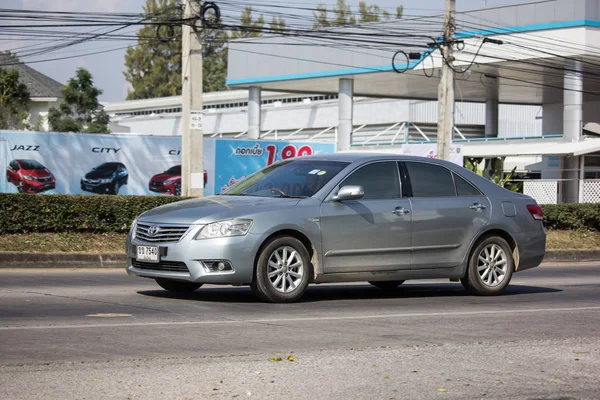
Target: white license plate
point(147, 254)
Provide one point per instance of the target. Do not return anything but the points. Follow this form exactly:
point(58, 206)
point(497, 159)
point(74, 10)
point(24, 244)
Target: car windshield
point(107, 166)
point(31, 164)
point(174, 170)
point(295, 178)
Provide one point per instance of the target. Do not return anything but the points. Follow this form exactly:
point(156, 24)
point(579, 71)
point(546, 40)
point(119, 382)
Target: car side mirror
point(350, 192)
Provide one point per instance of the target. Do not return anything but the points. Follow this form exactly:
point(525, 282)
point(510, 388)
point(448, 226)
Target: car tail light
point(535, 211)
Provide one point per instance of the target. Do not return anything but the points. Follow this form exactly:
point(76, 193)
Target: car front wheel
point(490, 267)
point(178, 286)
point(283, 271)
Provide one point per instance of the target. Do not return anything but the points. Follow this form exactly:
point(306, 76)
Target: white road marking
point(301, 319)
point(109, 315)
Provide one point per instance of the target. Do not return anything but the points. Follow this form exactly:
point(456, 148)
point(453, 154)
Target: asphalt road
point(102, 334)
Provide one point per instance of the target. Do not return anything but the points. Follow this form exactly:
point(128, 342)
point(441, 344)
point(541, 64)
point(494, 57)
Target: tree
point(14, 100)
point(153, 67)
point(80, 111)
point(277, 25)
point(343, 14)
point(248, 27)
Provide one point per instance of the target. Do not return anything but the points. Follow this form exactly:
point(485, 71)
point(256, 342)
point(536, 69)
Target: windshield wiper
point(287, 196)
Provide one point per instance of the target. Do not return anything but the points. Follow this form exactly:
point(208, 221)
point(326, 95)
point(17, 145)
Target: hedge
point(572, 216)
point(26, 213)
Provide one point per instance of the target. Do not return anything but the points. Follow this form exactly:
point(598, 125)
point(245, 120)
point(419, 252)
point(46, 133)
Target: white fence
point(546, 191)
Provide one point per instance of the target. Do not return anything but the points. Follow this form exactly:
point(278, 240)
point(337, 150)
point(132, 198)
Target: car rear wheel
point(490, 267)
point(283, 271)
point(178, 286)
point(387, 285)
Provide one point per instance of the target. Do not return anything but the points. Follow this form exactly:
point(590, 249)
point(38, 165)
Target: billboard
point(429, 150)
point(77, 163)
point(239, 158)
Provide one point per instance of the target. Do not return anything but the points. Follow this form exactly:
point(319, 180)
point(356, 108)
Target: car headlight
point(29, 178)
point(133, 228)
point(232, 227)
point(168, 181)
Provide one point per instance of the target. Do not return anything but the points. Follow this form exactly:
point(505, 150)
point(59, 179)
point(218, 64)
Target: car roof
point(365, 157)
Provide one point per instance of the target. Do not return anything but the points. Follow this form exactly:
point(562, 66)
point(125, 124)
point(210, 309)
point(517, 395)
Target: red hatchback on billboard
point(169, 182)
point(29, 176)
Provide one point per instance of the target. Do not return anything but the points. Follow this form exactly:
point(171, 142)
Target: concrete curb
point(119, 260)
point(62, 260)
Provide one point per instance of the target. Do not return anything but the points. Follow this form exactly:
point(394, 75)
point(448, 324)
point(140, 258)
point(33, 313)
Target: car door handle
point(477, 207)
point(400, 211)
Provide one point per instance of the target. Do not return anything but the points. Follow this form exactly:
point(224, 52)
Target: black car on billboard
point(106, 178)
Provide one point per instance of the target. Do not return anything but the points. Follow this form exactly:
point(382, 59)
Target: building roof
point(530, 44)
point(38, 84)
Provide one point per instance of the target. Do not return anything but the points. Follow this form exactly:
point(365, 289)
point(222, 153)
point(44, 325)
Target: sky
point(107, 69)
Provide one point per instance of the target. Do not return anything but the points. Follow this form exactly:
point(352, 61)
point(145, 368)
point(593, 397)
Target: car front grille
point(165, 233)
point(156, 183)
point(171, 266)
point(44, 179)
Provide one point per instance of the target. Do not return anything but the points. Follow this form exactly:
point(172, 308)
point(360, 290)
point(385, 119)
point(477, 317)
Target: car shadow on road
point(317, 293)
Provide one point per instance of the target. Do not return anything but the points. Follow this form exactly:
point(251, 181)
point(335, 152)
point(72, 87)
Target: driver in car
point(311, 185)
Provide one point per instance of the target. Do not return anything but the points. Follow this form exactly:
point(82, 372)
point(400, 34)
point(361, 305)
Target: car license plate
point(147, 254)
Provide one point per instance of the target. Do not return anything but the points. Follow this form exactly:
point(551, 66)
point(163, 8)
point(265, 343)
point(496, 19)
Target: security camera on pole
point(192, 132)
point(446, 86)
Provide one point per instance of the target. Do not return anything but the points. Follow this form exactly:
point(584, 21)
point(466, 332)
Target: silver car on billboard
point(343, 217)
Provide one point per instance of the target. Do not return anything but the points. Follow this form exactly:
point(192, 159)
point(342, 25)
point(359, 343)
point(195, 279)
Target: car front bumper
point(188, 257)
point(37, 187)
point(162, 188)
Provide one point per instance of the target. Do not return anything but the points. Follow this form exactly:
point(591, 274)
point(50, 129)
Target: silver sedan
point(342, 218)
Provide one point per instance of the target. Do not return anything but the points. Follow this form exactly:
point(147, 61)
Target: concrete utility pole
point(446, 87)
point(192, 131)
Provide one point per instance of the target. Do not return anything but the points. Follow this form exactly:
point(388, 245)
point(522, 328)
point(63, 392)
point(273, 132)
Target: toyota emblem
point(153, 230)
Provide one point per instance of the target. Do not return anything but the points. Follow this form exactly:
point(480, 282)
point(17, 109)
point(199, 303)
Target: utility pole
point(192, 131)
point(446, 86)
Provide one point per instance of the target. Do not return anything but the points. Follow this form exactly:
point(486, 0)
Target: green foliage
point(572, 216)
point(153, 67)
point(14, 99)
point(344, 16)
point(80, 111)
point(248, 26)
point(492, 169)
point(24, 213)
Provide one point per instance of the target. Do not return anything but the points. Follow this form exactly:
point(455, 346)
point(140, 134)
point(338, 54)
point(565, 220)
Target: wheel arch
point(312, 252)
point(494, 231)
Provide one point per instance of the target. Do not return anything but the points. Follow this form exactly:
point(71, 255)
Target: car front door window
point(379, 180)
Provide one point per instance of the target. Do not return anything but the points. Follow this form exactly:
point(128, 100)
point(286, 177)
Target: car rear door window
point(429, 180)
point(464, 188)
point(379, 180)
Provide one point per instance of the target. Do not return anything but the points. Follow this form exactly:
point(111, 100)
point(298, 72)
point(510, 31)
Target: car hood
point(163, 177)
point(99, 174)
point(37, 173)
point(213, 208)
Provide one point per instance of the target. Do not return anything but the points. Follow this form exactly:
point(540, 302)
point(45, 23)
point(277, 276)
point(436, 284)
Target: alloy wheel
point(285, 269)
point(492, 265)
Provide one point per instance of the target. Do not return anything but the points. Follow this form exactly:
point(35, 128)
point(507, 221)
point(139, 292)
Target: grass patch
point(572, 240)
point(115, 242)
point(64, 242)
